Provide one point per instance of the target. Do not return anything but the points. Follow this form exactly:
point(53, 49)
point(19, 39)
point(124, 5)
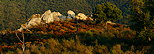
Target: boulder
point(33, 21)
point(56, 16)
point(34, 16)
point(71, 14)
point(111, 23)
point(47, 17)
point(81, 16)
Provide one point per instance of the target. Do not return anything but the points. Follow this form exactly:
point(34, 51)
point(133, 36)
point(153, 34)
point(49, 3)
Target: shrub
point(146, 35)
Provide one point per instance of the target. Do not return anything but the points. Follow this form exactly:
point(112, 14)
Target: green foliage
point(150, 6)
point(141, 16)
point(107, 11)
point(146, 35)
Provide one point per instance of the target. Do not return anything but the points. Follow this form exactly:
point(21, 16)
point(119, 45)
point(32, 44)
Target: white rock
point(71, 14)
point(33, 21)
point(47, 17)
point(81, 16)
point(109, 22)
point(56, 16)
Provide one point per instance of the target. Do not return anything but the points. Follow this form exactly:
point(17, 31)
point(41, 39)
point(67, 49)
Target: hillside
point(76, 27)
point(72, 37)
point(15, 12)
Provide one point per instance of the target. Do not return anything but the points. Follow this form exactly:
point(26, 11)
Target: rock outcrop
point(49, 17)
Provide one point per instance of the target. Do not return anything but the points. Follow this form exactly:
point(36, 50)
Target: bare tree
point(22, 41)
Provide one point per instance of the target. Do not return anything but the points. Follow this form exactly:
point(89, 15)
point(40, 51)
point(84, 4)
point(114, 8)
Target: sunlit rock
point(34, 20)
point(109, 22)
point(81, 16)
point(47, 17)
point(56, 16)
point(71, 14)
